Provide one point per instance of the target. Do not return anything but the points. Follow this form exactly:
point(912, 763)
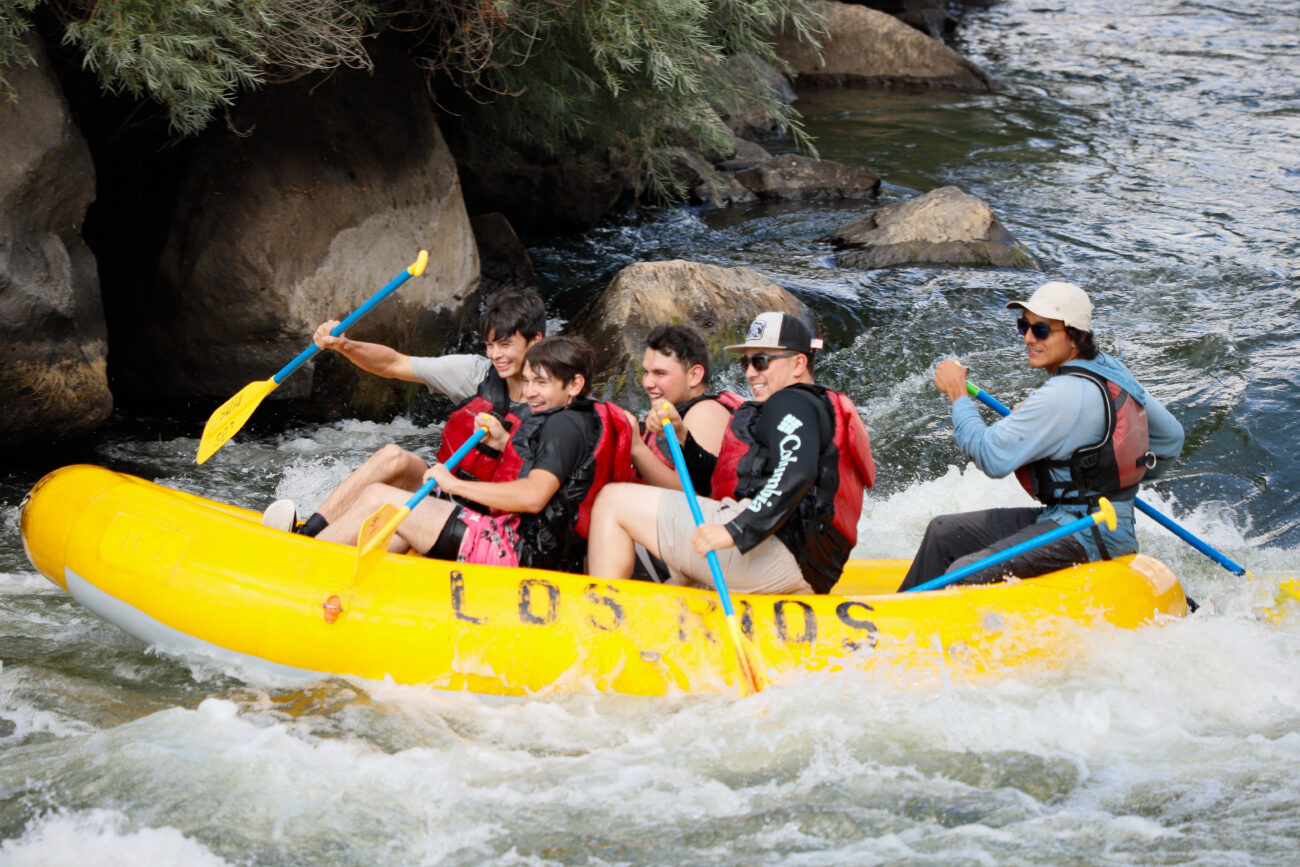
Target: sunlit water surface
point(1149, 152)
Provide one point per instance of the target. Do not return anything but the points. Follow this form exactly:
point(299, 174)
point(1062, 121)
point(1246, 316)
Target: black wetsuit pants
point(953, 541)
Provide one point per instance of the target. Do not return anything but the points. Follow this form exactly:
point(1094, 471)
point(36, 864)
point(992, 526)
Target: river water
point(1151, 153)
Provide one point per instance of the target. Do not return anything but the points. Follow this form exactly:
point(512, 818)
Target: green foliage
point(636, 76)
point(193, 56)
point(14, 26)
point(185, 55)
point(631, 77)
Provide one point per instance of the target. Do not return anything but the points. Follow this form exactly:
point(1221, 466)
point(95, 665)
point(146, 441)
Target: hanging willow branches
point(543, 75)
point(635, 75)
point(194, 56)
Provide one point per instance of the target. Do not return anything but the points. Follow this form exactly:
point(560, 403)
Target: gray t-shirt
point(456, 376)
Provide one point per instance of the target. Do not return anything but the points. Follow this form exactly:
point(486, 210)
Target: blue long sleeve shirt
point(1058, 418)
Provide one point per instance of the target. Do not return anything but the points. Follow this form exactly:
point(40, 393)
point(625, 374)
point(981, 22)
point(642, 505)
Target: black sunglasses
point(1040, 329)
point(761, 361)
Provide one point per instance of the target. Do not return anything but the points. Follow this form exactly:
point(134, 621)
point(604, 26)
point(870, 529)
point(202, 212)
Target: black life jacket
point(481, 464)
point(825, 528)
point(659, 444)
point(1111, 467)
point(556, 537)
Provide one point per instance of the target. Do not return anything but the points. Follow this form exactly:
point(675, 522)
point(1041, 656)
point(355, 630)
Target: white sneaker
point(280, 515)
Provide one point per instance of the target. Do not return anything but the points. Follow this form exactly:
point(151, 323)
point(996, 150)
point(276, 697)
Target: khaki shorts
point(767, 568)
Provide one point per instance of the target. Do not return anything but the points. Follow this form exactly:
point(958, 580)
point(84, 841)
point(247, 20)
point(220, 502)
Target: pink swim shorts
point(488, 540)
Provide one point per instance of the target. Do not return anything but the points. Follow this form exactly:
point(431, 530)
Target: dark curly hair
point(1083, 341)
point(683, 343)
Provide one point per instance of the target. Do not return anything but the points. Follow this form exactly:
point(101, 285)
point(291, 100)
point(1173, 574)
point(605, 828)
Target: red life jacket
point(659, 446)
point(826, 528)
point(1110, 468)
point(611, 460)
point(493, 397)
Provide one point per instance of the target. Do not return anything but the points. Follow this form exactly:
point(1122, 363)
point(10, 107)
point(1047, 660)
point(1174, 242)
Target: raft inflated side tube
point(193, 576)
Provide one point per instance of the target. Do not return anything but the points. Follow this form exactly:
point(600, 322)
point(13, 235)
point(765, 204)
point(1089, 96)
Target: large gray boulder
point(705, 184)
point(719, 302)
point(759, 76)
point(571, 190)
point(304, 204)
point(867, 48)
point(53, 341)
point(942, 227)
point(504, 262)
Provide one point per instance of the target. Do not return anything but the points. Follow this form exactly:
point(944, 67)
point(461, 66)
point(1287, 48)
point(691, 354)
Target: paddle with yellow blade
point(1105, 514)
point(380, 526)
point(751, 677)
point(228, 418)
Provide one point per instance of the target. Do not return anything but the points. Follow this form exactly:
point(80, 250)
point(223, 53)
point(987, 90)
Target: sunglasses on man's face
point(762, 360)
point(1040, 329)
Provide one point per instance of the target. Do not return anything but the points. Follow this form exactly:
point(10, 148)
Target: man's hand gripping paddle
point(228, 418)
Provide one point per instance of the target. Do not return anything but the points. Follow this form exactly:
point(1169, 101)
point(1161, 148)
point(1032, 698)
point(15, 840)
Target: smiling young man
point(570, 447)
point(512, 322)
point(1090, 431)
point(676, 372)
point(787, 488)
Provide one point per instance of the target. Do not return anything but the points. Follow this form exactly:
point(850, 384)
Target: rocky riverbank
point(137, 269)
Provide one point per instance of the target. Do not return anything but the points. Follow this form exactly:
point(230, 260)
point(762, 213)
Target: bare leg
point(429, 514)
point(623, 514)
point(392, 465)
point(424, 525)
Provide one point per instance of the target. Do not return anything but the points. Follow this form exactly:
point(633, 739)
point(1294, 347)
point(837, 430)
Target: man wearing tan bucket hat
point(1090, 431)
point(787, 488)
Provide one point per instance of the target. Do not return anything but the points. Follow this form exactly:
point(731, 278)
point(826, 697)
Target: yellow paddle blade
point(751, 677)
point(418, 266)
point(1287, 601)
point(231, 415)
point(1291, 588)
point(379, 528)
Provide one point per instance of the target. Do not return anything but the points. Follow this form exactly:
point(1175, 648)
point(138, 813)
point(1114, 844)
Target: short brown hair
point(513, 311)
point(564, 357)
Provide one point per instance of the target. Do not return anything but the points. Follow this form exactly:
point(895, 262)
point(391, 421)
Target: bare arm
point(373, 358)
point(529, 494)
point(648, 465)
point(707, 421)
point(650, 468)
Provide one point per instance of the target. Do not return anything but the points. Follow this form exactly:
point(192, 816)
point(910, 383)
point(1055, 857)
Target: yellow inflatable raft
point(190, 575)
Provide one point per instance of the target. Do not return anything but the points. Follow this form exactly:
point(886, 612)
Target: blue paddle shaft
point(307, 353)
point(1146, 508)
point(689, 488)
point(1184, 534)
point(427, 488)
point(1002, 556)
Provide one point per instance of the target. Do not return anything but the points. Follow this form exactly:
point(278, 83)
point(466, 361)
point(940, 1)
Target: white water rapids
point(1151, 153)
